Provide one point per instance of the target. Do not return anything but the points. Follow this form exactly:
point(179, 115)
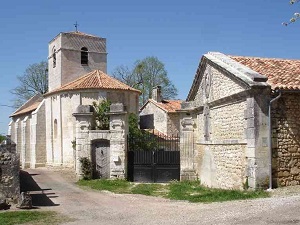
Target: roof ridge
point(98, 74)
point(256, 57)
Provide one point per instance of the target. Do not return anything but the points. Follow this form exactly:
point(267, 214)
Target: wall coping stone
point(223, 142)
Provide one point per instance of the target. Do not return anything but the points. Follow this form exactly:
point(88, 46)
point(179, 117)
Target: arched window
point(54, 57)
point(84, 56)
point(55, 129)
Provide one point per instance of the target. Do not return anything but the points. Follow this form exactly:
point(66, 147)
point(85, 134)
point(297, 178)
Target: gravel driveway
point(59, 193)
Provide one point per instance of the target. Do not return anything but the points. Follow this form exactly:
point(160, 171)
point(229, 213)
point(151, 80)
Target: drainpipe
point(270, 140)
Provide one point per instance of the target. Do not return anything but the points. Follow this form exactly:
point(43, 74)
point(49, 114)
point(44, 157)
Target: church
point(47, 127)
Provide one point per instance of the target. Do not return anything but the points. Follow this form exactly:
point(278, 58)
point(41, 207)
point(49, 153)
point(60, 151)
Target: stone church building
point(49, 129)
point(240, 124)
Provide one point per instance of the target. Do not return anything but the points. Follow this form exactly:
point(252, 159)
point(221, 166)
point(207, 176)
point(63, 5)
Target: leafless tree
point(33, 81)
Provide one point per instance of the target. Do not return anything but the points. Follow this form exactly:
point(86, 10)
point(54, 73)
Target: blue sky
point(177, 32)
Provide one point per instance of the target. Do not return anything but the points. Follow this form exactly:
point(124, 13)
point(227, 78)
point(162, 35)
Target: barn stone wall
point(286, 140)
point(224, 131)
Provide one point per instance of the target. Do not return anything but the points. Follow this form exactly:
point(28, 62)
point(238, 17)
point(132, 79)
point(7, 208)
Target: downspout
point(270, 140)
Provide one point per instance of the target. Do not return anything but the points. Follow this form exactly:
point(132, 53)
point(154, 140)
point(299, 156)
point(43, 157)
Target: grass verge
point(190, 191)
point(32, 217)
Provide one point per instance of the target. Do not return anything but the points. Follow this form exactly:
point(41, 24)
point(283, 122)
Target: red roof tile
point(31, 105)
point(281, 73)
point(94, 80)
point(169, 106)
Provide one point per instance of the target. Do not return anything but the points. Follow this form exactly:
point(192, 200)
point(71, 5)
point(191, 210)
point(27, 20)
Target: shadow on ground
point(40, 197)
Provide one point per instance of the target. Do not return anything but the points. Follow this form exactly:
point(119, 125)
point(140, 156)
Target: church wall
point(69, 103)
point(55, 78)
point(173, 124)
point(27, 146)
point(63, 107)
point(49, 133)
point(40, 137)
point(72, 68)
point(56, 128)
point(128, 98)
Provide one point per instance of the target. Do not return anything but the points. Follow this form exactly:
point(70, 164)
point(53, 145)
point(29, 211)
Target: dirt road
point(55, 190)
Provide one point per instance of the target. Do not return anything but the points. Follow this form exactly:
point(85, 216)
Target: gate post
point(83, 117)
point(187, 171)
point(118, 127)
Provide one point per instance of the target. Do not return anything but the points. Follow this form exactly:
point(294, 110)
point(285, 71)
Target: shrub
point(86, 168)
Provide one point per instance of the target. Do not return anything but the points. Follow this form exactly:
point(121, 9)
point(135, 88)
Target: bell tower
point(74, 54)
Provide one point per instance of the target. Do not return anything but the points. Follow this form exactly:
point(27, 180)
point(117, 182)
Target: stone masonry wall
point(173, 124)
point(220, 130)
point(9, 172)
point(286, 140)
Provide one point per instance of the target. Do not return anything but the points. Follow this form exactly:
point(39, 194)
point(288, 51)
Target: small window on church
point(84, 56)
point(54, 58)
point(55, 129)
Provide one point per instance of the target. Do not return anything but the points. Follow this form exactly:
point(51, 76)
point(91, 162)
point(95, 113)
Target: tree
point(33, 81)
point(100, 117)
point(145, 75)
point(296, 15)
point(2, 138)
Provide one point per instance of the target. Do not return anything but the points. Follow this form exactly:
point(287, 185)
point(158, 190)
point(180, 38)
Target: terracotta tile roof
point(160, 134)
point(93, 80)
point(282, 73)
point(31, 105)
point(169, 106)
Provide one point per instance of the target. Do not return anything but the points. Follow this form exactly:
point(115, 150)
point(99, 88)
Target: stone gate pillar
point(187, 171)
point(82, 144)
point(118, 127)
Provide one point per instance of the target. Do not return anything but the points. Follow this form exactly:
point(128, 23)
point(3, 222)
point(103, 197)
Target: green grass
point(190, 191)
point(148, 189)
point(32, 217)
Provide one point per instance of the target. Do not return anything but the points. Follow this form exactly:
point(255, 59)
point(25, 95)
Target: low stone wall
point(286, 140)
point(9, 172)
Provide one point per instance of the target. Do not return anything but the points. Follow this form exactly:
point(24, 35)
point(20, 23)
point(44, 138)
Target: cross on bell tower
point(76, 26)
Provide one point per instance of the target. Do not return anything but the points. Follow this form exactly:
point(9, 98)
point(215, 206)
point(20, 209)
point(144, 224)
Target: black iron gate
point(153, 158)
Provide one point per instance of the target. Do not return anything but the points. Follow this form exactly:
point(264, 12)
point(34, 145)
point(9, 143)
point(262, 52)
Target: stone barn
point(240, 126)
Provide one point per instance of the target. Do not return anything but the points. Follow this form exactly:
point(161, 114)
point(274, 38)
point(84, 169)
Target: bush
point(86, 168)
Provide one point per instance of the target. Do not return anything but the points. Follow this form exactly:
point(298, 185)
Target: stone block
point(117, 107)
point(25, 201)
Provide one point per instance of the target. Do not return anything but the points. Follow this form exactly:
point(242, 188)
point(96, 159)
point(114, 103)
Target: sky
point(178, 33)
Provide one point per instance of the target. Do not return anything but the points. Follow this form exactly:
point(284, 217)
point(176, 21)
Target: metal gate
point(159, 164)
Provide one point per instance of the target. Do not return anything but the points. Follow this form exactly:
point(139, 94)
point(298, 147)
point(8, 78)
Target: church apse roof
point(282, 73)
point(93, 80)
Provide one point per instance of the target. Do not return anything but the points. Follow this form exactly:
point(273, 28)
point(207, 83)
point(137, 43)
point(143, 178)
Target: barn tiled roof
point(169, 106)
point(31, 105)
point(93, 80)
point(282, 73)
